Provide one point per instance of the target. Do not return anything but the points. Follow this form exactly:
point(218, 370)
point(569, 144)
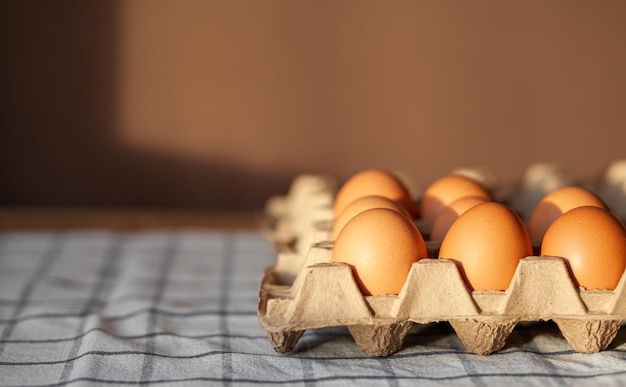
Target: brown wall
point(220, 104)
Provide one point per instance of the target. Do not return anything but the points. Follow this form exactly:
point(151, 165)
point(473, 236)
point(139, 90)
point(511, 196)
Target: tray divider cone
point(618, 305)
point(434, 291)
point(328, 296)
point(541, 289)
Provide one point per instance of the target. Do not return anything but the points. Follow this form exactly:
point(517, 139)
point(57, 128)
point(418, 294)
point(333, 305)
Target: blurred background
point(220, 104)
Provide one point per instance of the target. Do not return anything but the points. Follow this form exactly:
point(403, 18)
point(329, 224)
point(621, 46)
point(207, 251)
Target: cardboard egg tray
point(305, 290)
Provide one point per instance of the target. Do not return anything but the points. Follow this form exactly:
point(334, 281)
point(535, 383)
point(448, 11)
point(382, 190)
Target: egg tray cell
point(325, 294)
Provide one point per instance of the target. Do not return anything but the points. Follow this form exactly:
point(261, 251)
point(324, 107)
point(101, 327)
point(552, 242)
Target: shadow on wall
point(60, 144)
point(220, 104)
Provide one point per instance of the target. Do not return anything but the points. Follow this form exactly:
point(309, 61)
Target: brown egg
point(381, 245)
point(447, 189)
point(487, 241)
point(365, 203)
point(557, 203)
point(593, 241)
point(445, 219)
point(373, 182)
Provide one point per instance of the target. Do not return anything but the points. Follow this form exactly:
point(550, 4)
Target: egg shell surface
point(365, 203)
point(446, 190)
point(380, 245)
point(373, 182)
point(445, 219)
point(593, 241)
point(557, 203)
point(487, 241)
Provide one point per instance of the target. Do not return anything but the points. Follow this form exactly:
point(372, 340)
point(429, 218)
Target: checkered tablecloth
point(179, 307)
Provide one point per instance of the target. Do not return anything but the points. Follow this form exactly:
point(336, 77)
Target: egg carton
point(305, 290)
point(291, 219)
point(324, 294)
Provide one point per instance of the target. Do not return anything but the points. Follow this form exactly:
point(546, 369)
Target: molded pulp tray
point(305, 290)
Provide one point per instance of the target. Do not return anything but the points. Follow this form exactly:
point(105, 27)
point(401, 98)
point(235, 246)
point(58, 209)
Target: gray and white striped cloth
point(178, 307)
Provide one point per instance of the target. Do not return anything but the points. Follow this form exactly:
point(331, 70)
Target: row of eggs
point(376, 234)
